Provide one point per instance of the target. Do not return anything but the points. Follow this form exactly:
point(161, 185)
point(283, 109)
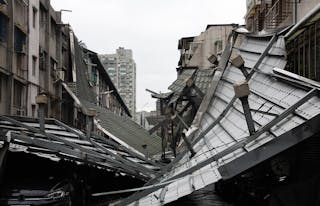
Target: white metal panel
point(268, 95)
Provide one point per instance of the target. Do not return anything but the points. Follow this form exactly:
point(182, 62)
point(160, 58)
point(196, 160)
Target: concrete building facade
point(36, 57)
point(121, 68)
point(33, 57)
point(30, 56)
point(102, 86)
point(302, 41)
point(13, 56)
point(273, 14)
point(197, 51)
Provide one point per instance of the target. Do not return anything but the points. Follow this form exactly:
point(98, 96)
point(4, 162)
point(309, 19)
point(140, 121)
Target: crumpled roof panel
point(203, 78)
point(62, 142)
point(127, 130)
point(122, 128)
point(179, 84)
point(222, 136)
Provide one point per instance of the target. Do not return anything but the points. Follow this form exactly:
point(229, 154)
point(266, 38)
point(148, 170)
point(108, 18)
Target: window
point(34, 65)
point(53, 29)
point(43, 16)
point(19, 40)
point(3, 27)
point(53, 66)
point(17, 98)
point(33, 110)
point(42, 59)
point(34, 16)
point(218, 46)
point(304, 53)
point(93, 77)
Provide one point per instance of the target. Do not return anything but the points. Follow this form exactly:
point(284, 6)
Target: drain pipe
point(91, 113)
point(42, 101)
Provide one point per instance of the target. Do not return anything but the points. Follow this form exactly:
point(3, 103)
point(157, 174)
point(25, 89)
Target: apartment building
point(302, 40)
point(274, 14)
point(13, 56)
point(30, 56)
point(101, 84)
point(121, 68)
point(36, 56)
point(203, 50)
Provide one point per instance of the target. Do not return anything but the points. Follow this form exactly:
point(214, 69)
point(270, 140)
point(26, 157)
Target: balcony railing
point(278, 13)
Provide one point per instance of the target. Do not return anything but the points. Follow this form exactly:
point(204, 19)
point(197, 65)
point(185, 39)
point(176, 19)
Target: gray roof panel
point(179, 84)
point(220, 145)
point(62, 142)
point(127, 130)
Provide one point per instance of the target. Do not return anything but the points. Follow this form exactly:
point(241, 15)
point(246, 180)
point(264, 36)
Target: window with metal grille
point(17, 98)
point(3, 27)
point(42, 59)
point(34, 65)
point(304, 53)
point(34, 16)
point(19, 40)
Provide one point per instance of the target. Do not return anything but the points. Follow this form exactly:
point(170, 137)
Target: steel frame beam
point(275, 146)
point(262, 56)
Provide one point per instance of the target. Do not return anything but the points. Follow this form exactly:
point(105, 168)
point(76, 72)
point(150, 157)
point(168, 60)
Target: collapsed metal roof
point(121, 129)
point(203, 79)
point(162, 95)
point(126, 130)
point(61, 142)
point(180, 83)
point(198, 79)
point(285, 110)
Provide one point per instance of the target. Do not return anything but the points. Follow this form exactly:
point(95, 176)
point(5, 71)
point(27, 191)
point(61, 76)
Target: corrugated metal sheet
point(122, 128)
point(65, 143)
point(220, 145)
point(203, 78)
point(127, 130)
point(162, 95)
point(180, 83)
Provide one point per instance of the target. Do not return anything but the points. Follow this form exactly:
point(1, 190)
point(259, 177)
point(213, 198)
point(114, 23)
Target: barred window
point(304, 53)
point(3, 28)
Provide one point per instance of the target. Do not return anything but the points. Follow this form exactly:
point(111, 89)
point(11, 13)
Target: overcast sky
point(151, 28)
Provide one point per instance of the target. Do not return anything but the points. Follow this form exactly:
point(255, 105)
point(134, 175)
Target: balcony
point(251, 7)
point(280, 14)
